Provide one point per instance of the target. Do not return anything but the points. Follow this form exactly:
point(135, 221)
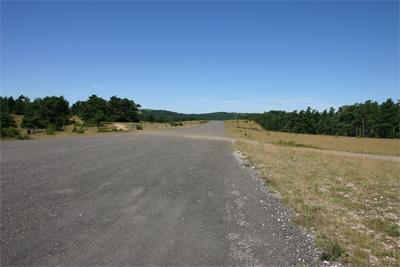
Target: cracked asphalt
point(161, 198)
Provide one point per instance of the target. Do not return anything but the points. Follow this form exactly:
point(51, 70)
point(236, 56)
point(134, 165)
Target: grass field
point(352, 203)
point(253, 131)
point(67, 130)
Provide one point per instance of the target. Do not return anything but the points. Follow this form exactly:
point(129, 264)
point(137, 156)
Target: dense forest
point(166, 116)
point(54, 112)
point(361, 119)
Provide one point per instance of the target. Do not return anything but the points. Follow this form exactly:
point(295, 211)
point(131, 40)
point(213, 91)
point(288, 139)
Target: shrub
point(91, 123)
point(9, 132)
point(51, 129)
point(73, 130)
point(23, 137)
point(80, 130)
point(113, 129)
point(180, 124)
point(102, 130)
point(139, 127)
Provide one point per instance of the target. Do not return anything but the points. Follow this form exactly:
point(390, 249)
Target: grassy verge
point(253, 131)
point(352, 203)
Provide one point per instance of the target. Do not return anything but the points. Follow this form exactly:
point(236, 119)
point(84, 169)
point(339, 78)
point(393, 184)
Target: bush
point(180, 124)
point(23, 137)
point(80, 130)
point(91, 123)
point(113, 129)
point(9, 132)
point(103, 130)
point(139, 127)
point(73, 130)
point(51, 129)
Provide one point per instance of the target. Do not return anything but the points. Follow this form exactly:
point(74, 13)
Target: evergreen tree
point(6, 119)
point(20, 105)
point(388, 119)
point(92, 106)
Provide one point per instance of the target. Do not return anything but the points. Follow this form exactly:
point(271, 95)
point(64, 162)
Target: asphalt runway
point(161, 198)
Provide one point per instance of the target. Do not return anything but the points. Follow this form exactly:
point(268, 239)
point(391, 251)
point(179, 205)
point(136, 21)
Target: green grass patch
point(293, 144)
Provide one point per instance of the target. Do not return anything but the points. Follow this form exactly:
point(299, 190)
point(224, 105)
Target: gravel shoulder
point(174, 197)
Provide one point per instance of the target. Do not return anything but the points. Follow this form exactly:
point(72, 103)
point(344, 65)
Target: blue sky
point(200, 57)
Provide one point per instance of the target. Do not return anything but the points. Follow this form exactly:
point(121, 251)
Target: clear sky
point(200, 57)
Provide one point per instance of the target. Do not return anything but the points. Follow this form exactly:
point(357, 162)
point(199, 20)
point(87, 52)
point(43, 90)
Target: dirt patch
point(120, 126)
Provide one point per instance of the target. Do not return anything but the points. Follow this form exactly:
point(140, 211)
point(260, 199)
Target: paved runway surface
point(161, 198)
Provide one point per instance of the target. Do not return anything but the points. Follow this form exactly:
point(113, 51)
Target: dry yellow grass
point(17, 118)
point(147, 126)
point(352, 200)
point(253, 131)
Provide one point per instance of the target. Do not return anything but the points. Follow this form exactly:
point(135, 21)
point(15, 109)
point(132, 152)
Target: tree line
point(167, 116)
point(54, 112)
point(151, 118)
point(369, 119)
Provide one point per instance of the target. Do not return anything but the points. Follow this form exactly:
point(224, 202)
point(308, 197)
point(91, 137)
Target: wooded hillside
point(164, 116)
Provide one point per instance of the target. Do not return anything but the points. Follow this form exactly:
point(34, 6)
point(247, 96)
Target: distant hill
point(205, 116)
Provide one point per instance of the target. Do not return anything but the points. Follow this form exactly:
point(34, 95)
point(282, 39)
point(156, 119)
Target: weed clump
point(393, 230)
point(333, 250)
